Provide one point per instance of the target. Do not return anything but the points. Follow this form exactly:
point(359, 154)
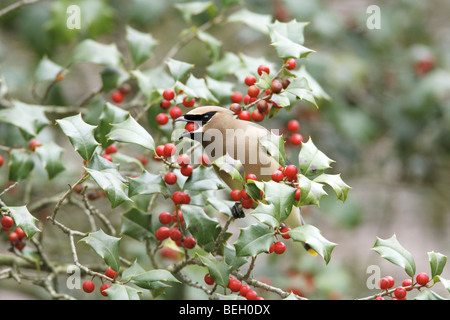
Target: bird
point(221, 133)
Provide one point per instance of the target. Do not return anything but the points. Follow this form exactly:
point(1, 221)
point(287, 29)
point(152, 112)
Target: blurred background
point(384, 118)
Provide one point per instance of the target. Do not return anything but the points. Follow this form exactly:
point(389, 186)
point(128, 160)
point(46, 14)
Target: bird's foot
point(237, 211)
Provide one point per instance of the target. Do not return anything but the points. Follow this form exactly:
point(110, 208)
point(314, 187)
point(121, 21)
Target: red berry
point(250, 80)
point(20, 233)
point(1, 160)
point(34, 144)
point(391, 281)
point(253, 91)
point(190, 126)
point(286, 235)
point(276, 86)
point(175, 234)
point(186, 198)
point(13, 237)
point(183, 160)
point(125, 88)
point(204, 160)
point(165, 104)
point(178, 197)
point(251, 176)
point(111, 149)
point(263, 68)
point(142, 159)
point(165, 217)
point(247, 99)
point(7, 222)
point(188, 103)
point(88, 286)
point(186, 170)
point(291, 64)
point(247, 203)
point(235, 107)
point(162, 233)
point(251, 295)
point(168, 94)
point(208, 279)
point(236, 195)
point(189, 243)
point(400, 293)
point(107, 157)
point(262, 106)
point(277, 176)
point(279, 247)
point(244, 194)
point(162, 118)
point(236, 97)
point(117, 96)
point(422, 278)
point(297, 195)
point(234, 285)
point(244, 290)
point(103, 288)
point(407, 283)
point(296, 139)
point(290, 171)
point(245, 115)
point(293, 125)
point(169, 150)
point(384, 283)
point(170, 178)
point(110, 273)
point(175, 113)
point(257, 116)
point(160, 151)
point(380, 298)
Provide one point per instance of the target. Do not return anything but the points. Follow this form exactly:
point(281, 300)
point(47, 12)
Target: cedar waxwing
point(221, 133)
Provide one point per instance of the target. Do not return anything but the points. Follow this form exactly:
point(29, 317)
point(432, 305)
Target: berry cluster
point(236, 286)
point(16, 237)
point(399, 293)
point(169, 97)
point(173, 230)
point(292, 136)
point(260, 99)
point(89, 285)
point(119, 94)
point(108, 151)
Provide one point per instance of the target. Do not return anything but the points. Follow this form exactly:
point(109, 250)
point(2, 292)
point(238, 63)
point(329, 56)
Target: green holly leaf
point(122, 292)
point(141, 45)
point(137, 224)
point(108, 178)
point(231, 166)
point(148, 184)
point(391, 250)
point(437, 263)
point(80, 134)
point(221, 205)
point(311, 160)
point(144, 83)
point(286, 48)
point(293, 30)
point(130, 131)
point(24, 219)
point(202, 227)
point(317, 90)
point(274, 145)
point(110, 115)
point(229, 64)
point(213, 45)
point(281, 196)
point(98, 53)
point(51, 156)
point(445, 282)
point(266, 213)
point(336, 183)
point(147, 279)
point(29, 119)
point(190, 9)
point(47, 70)
point(312, 236)
point(200, 88)
point(202, 179)
point(300, 89)
point(20, 165)
point(218, 269)
point(179, 69)
point(256, 21)
point(311, 191)
point(428, 295)
point(220, 89)
point(254, 239)
point(106, 246)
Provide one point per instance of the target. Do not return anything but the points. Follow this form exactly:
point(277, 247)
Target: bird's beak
point(182, 118)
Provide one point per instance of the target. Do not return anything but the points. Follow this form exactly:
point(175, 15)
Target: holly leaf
point(312, 236)
point(130, 131)
point(190, 9)
point(266, 214)
point(25, 220)
point(300, 89)
point(231, 166)
point(200, 88)
point(220, 89)
point(256, 21)
point(445, 282)
point(281, 196)
point(47, 70)
point(20, 165)
point(254, 239)
point(136, 224)
point(229, 64)
point(51, 156)
point(147, 183)
point(202, 227)
point(122, 292)
point(80, 134)
point(274, 145)
point(110, 114)
point(98, 53)
point(218, 269)
point(202, 179)
point(293, 30)
point(179, 69)
point(141, 45)
point(311, 160)
point(29, 119)
point(391, 250)
point(213, 45)
point(336, 183)
point(106, 246)
point(286, 48)
point(428, 295)
point(437, 263)
point(311, 191)
point(317, 90)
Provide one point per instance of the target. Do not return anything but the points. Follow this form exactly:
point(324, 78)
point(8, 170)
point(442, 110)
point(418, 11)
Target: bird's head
point(206, 117)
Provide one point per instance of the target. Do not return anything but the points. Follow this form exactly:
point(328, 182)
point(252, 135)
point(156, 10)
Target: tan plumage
point(241, 141)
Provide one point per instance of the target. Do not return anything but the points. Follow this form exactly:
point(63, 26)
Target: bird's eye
point(206, 117)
